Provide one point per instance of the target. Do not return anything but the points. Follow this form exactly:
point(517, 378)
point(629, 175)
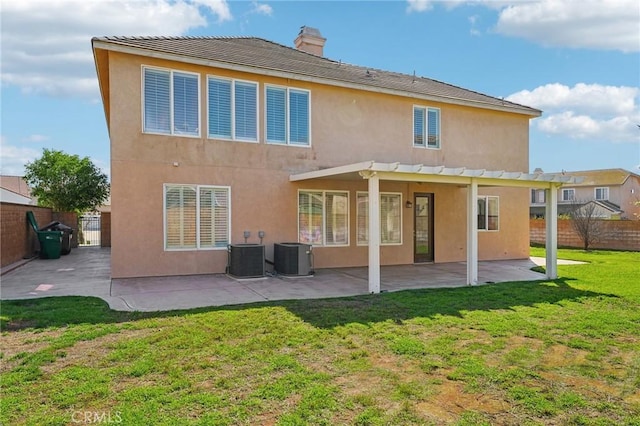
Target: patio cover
point(374, 172)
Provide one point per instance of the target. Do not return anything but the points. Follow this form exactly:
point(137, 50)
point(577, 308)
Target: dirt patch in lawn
point(24, 342)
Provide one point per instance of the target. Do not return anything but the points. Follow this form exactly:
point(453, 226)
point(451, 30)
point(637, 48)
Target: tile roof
point(603, 177)
point(265, 55)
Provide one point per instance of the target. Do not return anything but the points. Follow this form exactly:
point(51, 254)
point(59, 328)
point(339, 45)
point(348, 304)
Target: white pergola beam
point(374, 233)
point(472, 233)
point(551, 241)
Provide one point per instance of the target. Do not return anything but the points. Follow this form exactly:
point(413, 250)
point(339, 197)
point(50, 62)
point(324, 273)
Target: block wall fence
point(619, 234)
point(18, 240)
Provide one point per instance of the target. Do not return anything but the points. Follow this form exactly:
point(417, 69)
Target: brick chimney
point(310, 40)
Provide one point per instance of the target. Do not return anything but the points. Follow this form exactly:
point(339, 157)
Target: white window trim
point(602, 189)
point(287, 142)
point(324, 216)
point(486, 201)
point(426, 124)
point(361, 244)
point(164, 216)
point(562, 192)
point(171, 106)
point(233, 137)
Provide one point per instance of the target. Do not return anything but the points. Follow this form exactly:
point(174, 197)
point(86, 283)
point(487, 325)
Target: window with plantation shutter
point(426, 127)
point(232, 109)
point(196, 217)
point(390, 218)
point(214, 217)
point(323, 218)
point(180, 217)
point(336, 218)
point(171, 102)
point(287, 116)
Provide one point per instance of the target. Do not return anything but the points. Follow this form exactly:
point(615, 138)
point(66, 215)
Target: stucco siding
point(347, 126)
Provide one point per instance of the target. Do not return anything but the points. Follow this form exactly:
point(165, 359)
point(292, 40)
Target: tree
point(587, 224)
point(66, 182)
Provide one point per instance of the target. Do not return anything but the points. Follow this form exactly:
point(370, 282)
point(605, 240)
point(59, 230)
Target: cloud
point(593, 24)
point(589, 24)
point(261, 8)
point(419, 5)
point(36, 138)
point(13, 158)
point(585, 111)
point(46, 45)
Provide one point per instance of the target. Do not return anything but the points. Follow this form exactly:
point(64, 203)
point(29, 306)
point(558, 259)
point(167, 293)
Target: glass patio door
point(423, 228)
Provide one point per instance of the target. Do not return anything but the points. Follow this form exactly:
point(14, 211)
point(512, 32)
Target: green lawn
point(549, 352)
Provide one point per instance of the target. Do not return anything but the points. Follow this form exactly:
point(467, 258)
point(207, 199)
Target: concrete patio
point(86, 272)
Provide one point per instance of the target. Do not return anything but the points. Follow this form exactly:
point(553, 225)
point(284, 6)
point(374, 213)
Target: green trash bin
point(50, 241)
point(50, 244)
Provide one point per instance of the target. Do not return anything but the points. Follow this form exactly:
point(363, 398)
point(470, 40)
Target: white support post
point(374, 233)
point(551, 240)
point(472, 233)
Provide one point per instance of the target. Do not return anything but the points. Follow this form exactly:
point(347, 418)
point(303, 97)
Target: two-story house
point(615, 193)
point(219, 140)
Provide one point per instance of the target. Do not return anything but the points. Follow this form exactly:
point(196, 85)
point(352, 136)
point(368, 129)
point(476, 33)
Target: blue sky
point(578, 61)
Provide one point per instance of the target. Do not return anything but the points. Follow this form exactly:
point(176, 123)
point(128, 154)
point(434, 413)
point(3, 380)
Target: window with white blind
point(171, 102)
point(196, 217)
point(323, 218)
point(390, 218)
point(568, 194)
point(287, 116)
point(488, 213)
point(602, 194)
point(426, 127)
point(232, 109)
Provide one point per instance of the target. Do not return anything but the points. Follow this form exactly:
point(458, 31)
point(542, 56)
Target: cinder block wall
point(69, 219)
point(17, 239)
point(620, 234)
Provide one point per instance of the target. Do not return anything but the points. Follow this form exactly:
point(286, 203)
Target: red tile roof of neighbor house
point(257, 55)
point(605, 177)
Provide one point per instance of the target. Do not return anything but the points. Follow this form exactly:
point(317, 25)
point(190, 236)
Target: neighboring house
point(214, 138)
point(615, 192)
point(14, 189)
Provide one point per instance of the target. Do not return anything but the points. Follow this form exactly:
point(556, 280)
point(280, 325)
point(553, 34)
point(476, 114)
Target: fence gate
point(89, 230)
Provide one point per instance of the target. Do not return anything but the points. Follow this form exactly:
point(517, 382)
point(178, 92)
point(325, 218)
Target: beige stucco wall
point(348, 126)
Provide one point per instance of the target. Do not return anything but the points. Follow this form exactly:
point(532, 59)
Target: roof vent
point(310, 40)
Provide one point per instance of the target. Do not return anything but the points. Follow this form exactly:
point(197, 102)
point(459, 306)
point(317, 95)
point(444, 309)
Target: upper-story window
point(426, 127)
point(232, 109)
point(171, 102)
point(568, 194)
point(602, 194)
point(287, 116)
